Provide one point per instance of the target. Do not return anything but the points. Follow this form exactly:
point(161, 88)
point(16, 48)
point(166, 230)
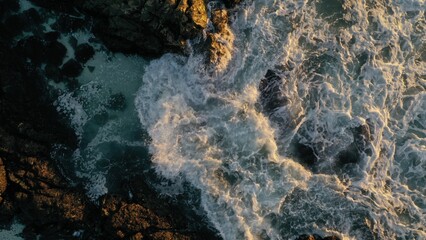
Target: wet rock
point(9, 5)
point(63, 6)
point(116, 102)
point(271, 96)
point(359, 147)
point(51, 36)
point(305, 154)
point(221, 40)
point(7, 212)
point(84, 52)
point(43, 195)
point(67, 23)
point(33, 48)
point(71, 69)
point(52, 72)
point(316, 237)
point(232, 3)
point(55, 53)
point(3, 180)
point(14, 25)
point(32, 17)
point(147, 27)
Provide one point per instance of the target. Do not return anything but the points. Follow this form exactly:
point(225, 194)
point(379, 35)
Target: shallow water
point(335, 143)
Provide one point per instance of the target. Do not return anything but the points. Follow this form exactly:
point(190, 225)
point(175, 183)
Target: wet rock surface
point(316, 237)
point(220, 40)
point(147, 27)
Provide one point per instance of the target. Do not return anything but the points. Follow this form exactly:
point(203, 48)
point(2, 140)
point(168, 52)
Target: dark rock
point(32, 17)
point(52, 72)
point(331, 238)
point(306, 237)
point(72, 84)
point(7, 210)
point(52, 36)
point(232, 3)
point(10, 5)
point(305, 154)
point(63, 6)
point(271, 96)
point(14, 25)
point(84, 52)
point(72, 68)
point(147, 27)
point(316, 237)
point(33, 48)
point(117, 102)
point(55, 53)
point(68, 24)
point(360, 145)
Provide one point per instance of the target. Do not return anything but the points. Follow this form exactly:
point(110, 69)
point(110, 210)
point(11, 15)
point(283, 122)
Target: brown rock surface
point(3, 181)
point(221, 40)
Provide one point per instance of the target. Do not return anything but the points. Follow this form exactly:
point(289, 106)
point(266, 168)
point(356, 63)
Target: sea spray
point(347, 74)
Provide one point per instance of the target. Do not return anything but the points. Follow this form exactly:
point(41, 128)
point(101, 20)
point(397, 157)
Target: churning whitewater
point(317, 123)
point(313, 121)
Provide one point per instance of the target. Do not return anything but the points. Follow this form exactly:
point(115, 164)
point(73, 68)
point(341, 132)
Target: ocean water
point(314, 121)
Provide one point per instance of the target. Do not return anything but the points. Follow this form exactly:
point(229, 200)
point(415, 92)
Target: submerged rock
point(53, 72)
point(55, 52)
point(71, 69)
point(271, 96)
point(116, 102)
point(359, 147)
point(84, 52)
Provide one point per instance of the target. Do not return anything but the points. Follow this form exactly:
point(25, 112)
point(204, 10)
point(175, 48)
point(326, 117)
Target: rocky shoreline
point(32, 186)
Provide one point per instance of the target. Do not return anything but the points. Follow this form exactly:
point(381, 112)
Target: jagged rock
point(221, 40)
point(3, 180)
point(147, 27)
point(71, 69)
point(84, 52)
point(43, 195)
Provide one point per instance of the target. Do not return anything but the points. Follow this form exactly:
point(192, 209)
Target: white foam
point(210, 131)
